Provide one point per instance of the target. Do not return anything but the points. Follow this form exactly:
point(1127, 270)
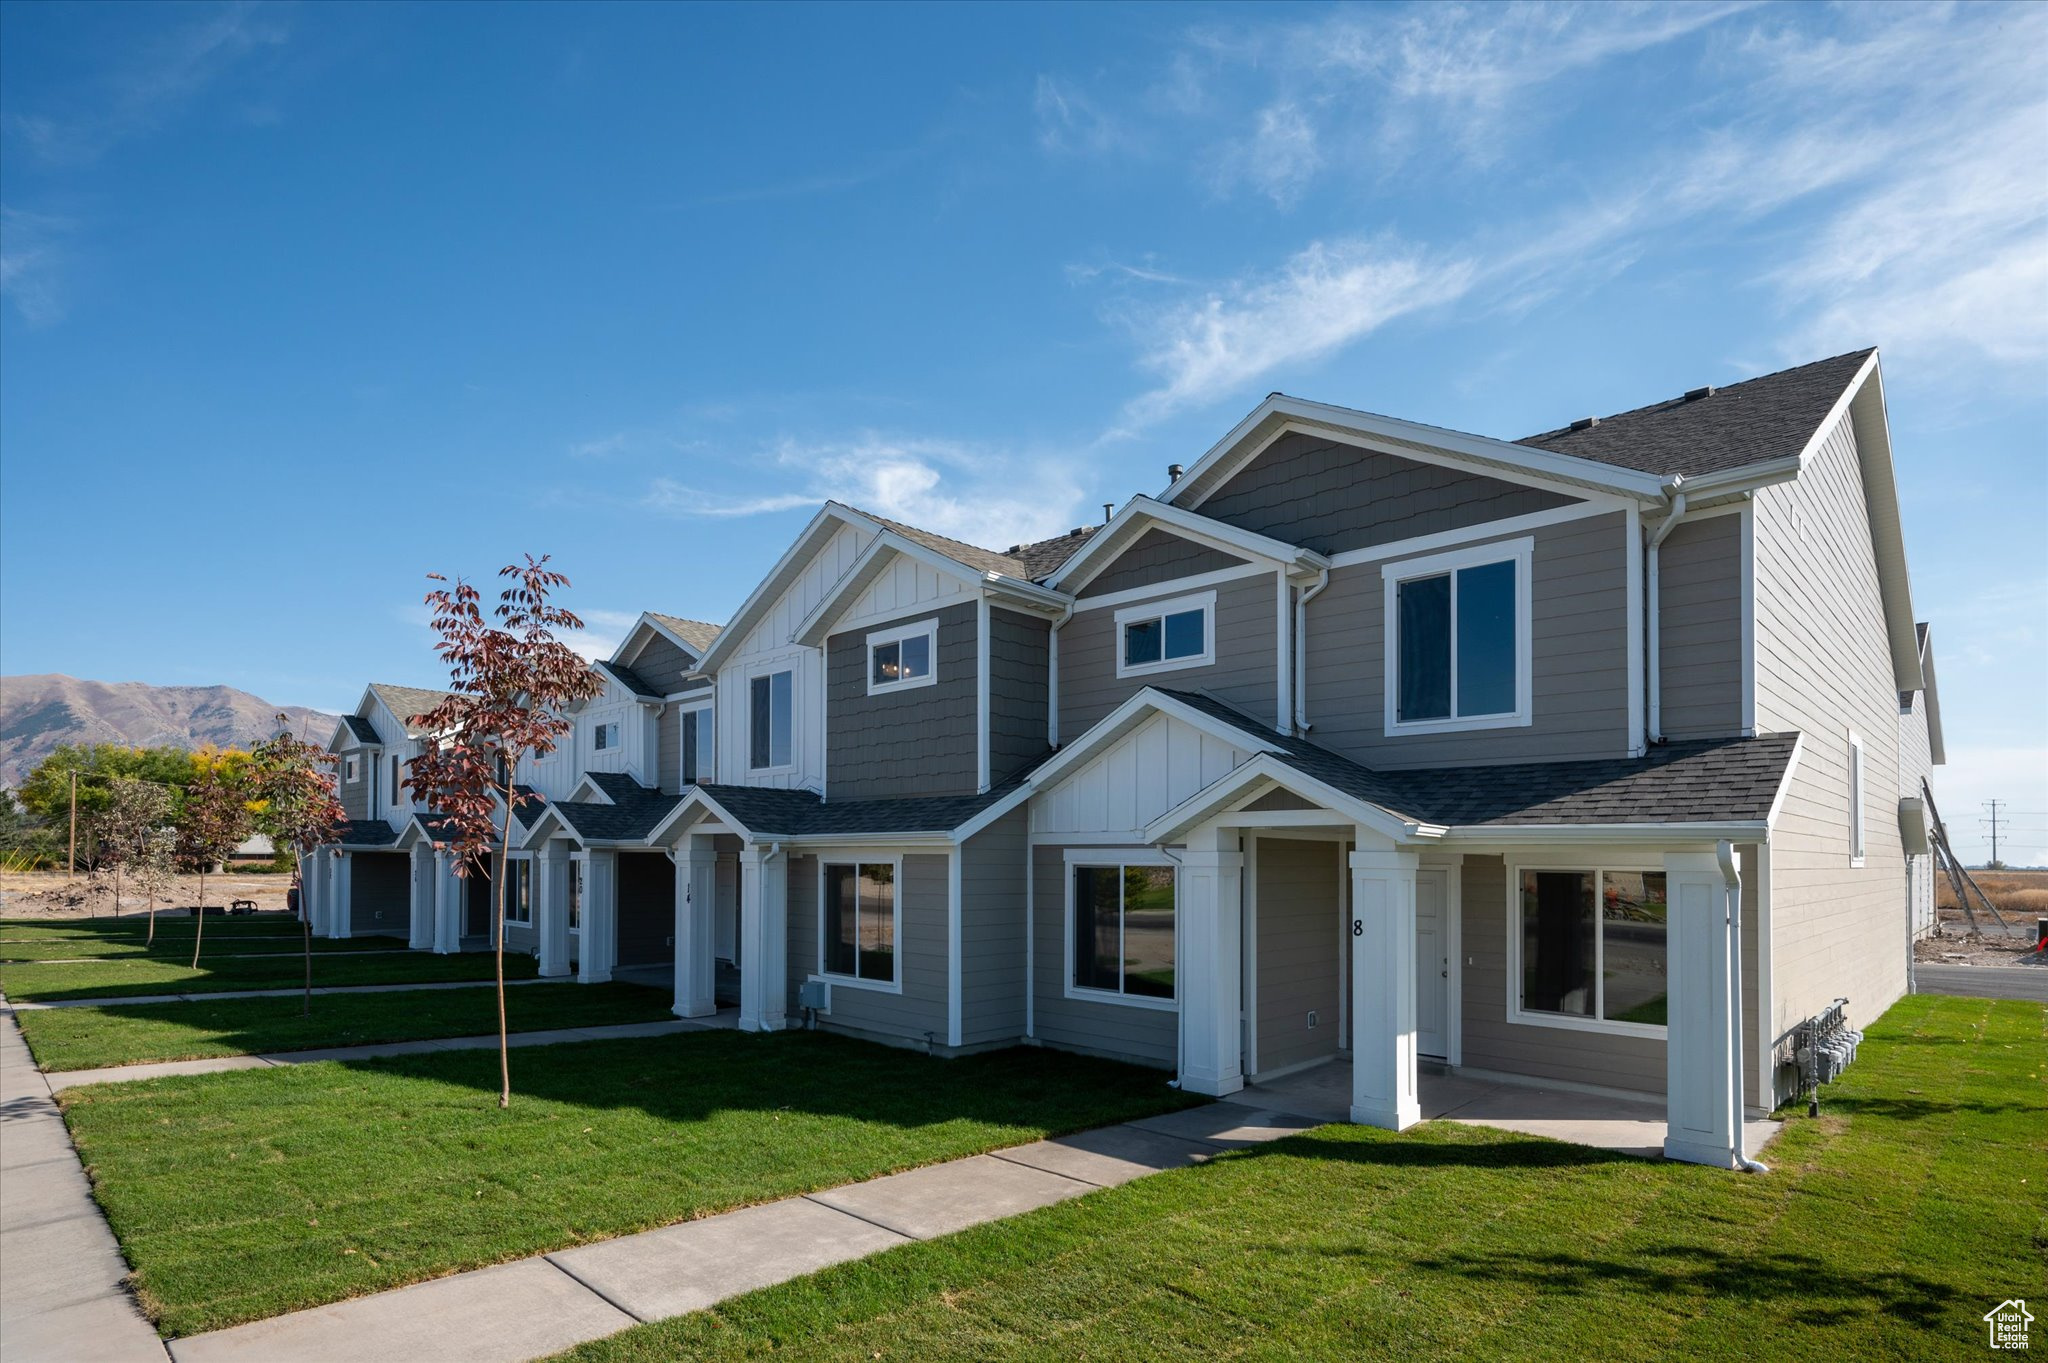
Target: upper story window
point(698, 745)
point(604, 737)
point(1458, 639)
point(1855, 799)
point(902, 657)
point(397, 787)
point(519, 892)
point(1163, 636)
point(1120, 926)
point(1593, 949)
point(771, 711)
point(857, 930)
point(350, 770)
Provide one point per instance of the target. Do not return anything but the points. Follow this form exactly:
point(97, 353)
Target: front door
point(1432, 963)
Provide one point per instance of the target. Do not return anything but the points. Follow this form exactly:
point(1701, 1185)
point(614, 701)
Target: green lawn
point(84, 1038)
point(135, 923)
point(241, 1195)
point(1917, 1202)
point(178, 946)
point(120, 978)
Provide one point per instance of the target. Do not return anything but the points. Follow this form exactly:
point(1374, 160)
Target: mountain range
point(39, 712)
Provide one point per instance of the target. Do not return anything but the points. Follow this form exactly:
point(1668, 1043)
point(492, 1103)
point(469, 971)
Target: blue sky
point(301, 303)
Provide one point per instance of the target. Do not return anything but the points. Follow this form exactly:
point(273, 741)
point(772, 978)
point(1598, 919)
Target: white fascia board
point(1141, 513)
point(829, 517)
point(696, 802)
point(993, 812)
point(1139, 707)
point(595, 793)
point(1610, 834)
point(1785, 782)
point(1502, 454)
point(1888, 539)
point(1269, 769)
point(1018, 594)
point(934, 839)
point(815, 627)
point(630, 647)
point(1936, 753)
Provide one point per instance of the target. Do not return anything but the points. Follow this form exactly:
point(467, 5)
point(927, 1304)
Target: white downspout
point(1664, 527)
point(1724, 852)
point(1052, 678)
point(1301, 600)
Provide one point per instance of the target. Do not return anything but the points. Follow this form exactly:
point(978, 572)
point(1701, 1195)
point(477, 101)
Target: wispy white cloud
point(1278, 158)
point(1069, 122)
point(31, 263)
point(603, 631)
point(985, 497)
point(600, 446)
point(141, 87)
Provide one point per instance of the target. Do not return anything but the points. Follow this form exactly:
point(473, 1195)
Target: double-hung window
point(1120, 920)
point(698, 745)
point(1592, 948)
point(1458, 627)
point(519, 893)
point(771, 706)
point(397, 787)
point(605, 736)
point(349, 770)
point(903, 657)
point(857, 927)
point(1163, 636)
point(1855, 799)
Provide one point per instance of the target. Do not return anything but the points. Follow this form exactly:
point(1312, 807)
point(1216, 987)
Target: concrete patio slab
point(1229, 1126)
point(942, 1198)
point(1109, 1156)
point(700, 1263)
point(504, 1314)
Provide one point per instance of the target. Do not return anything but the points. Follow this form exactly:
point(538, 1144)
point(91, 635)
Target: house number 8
point(1358, 927)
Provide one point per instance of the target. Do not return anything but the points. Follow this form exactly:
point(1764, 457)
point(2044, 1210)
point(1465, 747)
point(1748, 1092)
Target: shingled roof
point(628, 678)
point(367, 833)
point(698, 634)
point(364, 731)
point(1727, 780)
point(408, 703)
point(1029, 562)
point(766, 812)
point(633, 813)
point(1712, 429)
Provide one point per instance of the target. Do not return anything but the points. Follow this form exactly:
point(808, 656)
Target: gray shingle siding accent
point(669, 743)
point(992, 929)
point(902, 743)
point(647, 908)
point(1823, 664)
point(1579, 655)
point(1144, 1036)
point(1245, 672)
point(1326, 496)
point(380, 894)
point(662, 665)
point(1700, 624)
point(1158, 556)
point(921, 951)
point(355, 795)
point(1017, 691)
point(1297, 896)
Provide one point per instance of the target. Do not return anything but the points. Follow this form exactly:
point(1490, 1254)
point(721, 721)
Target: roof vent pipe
point(1108, 511)
point(1175, 472)
point(1695, 394)
point(1585, 423)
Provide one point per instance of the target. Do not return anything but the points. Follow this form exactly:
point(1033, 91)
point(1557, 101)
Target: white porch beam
point(1211, 964)
point(1382, 929)
point(764, 938)
point(1702, 1071)
point(420, 918)
point(597, 928)
point(696, 929)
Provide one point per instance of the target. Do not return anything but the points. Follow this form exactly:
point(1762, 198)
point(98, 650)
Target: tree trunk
point(117, 889)
point(199, 933)
point(306, 925)
point(152, 921)
point(504, 1038)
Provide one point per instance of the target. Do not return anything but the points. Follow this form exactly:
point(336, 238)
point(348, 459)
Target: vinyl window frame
point(895, 634)
point(604, 736)
point(351, 770)
point(857, 859)
point(522, 868)
point(1205, 602)
point(1598, 869)
point(1522, 553)
point(1858, 780)
point(1112, 858)
point(766, 672)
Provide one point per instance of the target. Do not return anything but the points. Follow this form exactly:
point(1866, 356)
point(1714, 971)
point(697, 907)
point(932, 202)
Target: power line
point(1995, 821)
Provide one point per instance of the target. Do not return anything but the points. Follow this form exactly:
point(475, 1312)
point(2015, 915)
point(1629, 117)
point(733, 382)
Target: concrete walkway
point(535, 1307)
point(203, 996)
point(115, 1074)
point(62, 1296)
point(1983, 981)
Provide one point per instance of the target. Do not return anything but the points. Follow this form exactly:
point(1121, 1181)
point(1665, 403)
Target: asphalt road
point(1983, 981)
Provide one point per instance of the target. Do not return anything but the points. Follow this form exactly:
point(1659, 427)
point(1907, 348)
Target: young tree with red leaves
point(213, 823)
point(296, 807)
point(510, 684)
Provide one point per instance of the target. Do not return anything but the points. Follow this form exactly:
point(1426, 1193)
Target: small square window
point(605, 736)
point(349, 770)
point(901, 657)
point(1165, 635)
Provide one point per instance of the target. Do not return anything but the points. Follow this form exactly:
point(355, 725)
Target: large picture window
point(902, 657)
point(771, 702)
point(1163, 636)
point(1593, 948)
point(858, 922)
point(1122, 926)
point(1458, 639)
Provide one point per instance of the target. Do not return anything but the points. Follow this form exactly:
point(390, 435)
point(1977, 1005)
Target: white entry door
point(1432, 963)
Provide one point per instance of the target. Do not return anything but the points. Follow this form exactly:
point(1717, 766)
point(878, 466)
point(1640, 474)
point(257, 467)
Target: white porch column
point(551, 914)
point(448, 889)
point(696, 933)
point(1383, 988)
point(597, 946)
point(420, 935)
point(1703, 1095)
point(764, 939)
point(1212, 964)
point(338, 924)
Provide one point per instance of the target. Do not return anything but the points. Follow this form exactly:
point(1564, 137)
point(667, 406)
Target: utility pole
point(71, 859)
point(1994, 821)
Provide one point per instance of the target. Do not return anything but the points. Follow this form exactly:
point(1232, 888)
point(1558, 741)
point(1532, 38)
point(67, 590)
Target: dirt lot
point(2022, 896)
point(52, 894)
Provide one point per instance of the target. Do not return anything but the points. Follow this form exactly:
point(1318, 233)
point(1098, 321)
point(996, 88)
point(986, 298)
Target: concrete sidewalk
point(1983, 981)
point(202, 996)
point(535, 1307)
point(115, 1074)
point(62, 1296)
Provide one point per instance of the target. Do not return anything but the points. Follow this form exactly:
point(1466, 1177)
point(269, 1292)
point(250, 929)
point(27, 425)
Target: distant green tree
point(46, 794)
point(216, 819)
point(135, 810)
